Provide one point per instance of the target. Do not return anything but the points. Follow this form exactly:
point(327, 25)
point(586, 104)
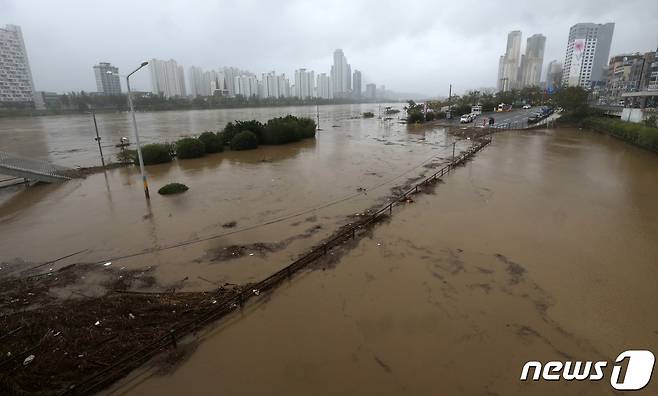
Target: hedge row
point(639, 134)
point(238, 135)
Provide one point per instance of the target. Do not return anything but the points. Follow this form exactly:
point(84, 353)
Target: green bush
point(415, 116)
point(155, 153)
point(640, 134)
point(212, 142)
point(287, 129)
point(173, 188)
point(430, 116)
point(233, 128)
point(245, 140)
point(368, 114)
point(190, 148)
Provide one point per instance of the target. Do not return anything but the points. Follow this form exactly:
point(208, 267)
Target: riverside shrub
point(212, 142)
point(233, 128)
point(244, 140)
point(282, 130)
point(173, 188)
point(190, 148)
point(155, 153)
point(640, 134)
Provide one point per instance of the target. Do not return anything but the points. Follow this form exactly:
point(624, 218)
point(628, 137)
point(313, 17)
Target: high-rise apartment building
point(16, 85)
point(206, 83)
point(274, 86)
point(167, 78)
point(508, 64)
point(356, 84)
point(304, 84)
point(553, 75)
point(341, 75)
point(246, 85)
point(108, 81)
point(324, 86)
point(531, 61)
point(371, 91)
point(588, 49)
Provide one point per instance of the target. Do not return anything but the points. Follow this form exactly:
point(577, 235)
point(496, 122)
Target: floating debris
point(107, 264)
point(256, 291)
point(28, 360)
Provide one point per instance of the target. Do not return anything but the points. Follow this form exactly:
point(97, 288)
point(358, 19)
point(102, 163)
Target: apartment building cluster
point(340, 82)
point(516, 70)
point(625, 73)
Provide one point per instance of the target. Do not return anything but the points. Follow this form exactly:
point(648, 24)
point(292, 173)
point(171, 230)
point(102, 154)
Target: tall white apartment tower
point(531, 62)
point(16, 83)
point(588, 50)
point(508, 65)
point(341, 75)
point(167, 78)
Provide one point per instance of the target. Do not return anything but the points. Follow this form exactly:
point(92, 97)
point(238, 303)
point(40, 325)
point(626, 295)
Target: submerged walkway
point(31, 169)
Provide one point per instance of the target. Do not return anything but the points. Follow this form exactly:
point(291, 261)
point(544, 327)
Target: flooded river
point(246, 214)
point(543, 247)
point(69, 139)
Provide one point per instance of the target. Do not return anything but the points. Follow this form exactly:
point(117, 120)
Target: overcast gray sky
point(410, 46)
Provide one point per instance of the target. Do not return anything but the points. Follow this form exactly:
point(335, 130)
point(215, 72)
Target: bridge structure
point(33, 169)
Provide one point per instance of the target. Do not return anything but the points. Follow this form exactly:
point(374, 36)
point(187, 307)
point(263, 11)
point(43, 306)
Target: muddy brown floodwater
point(541, 248)
point(246, 215)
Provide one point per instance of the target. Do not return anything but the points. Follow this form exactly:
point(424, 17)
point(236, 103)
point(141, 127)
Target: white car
point(527, 106)
point(466, 118)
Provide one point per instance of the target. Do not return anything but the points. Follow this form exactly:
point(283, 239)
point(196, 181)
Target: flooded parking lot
point(541, 248)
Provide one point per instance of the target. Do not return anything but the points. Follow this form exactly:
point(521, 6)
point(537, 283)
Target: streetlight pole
point(139, 147)
point(98, 138)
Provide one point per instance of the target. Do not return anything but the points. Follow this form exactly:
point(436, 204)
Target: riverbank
point(638, 134)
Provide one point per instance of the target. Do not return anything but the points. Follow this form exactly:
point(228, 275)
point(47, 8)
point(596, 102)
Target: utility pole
point(453, 150)
point(449, 104)
point(317, 110)
point(97, 138)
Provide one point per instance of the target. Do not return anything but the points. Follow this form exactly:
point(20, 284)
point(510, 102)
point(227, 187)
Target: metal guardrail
point(129, 362)
point(31, 169)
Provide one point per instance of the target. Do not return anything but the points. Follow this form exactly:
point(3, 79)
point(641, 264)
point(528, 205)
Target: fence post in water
point(390, 208)
point(353, 233)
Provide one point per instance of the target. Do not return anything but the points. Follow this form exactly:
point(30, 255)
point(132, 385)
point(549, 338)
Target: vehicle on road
point(526, 106)
point(504, 107)
point(466, 118)
point(477, 110)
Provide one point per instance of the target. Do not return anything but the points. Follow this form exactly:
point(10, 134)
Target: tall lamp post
point(139, 147)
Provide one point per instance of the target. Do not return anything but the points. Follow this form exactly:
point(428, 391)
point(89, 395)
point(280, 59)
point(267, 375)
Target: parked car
point(535, 117)
point(527, 106)
point(466, 118)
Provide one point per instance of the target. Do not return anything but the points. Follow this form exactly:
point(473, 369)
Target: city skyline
point(407, 51)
